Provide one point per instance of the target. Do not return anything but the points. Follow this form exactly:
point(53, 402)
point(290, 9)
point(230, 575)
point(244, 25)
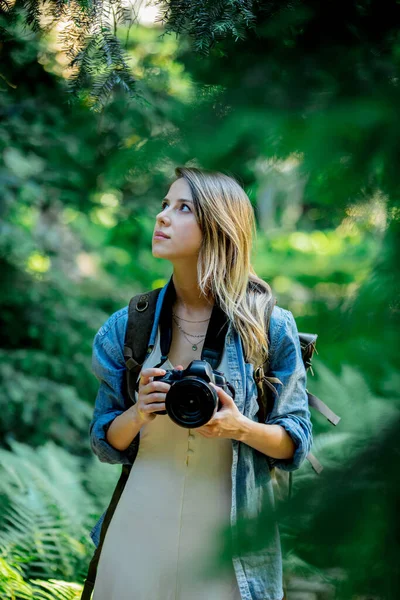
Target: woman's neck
point(189, 299)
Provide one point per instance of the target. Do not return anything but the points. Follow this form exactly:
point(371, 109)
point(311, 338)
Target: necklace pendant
point(194, 347)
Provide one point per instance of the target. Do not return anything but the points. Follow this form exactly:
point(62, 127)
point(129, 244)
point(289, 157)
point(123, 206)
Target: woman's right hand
point(151, 394)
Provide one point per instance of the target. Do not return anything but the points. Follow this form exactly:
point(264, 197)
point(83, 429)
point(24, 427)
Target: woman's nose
point(162, 218)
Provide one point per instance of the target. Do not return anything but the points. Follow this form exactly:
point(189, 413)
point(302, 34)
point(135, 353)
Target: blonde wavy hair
point(226, 218)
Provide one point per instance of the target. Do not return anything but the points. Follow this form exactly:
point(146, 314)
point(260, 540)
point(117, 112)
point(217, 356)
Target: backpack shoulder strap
point(141, 314)
point(261, 372)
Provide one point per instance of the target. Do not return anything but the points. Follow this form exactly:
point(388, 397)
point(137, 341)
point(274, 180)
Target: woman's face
point(177, 220)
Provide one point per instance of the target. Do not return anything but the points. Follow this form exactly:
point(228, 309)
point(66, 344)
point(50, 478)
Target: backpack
point(141, 313)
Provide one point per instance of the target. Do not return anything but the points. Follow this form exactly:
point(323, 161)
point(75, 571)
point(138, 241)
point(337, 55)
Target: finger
point(155, 407)
point(155, 386)
point(221, 393)
point(204, 433)
point(179, 368)
point(147, 374)
point(152, 372)
point(202, 429)
point(151, 398)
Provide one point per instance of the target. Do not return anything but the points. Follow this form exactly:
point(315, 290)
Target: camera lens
point(191, 402)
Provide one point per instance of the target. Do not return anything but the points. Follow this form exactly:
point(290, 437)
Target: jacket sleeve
point(108, 365)
point(290, 408)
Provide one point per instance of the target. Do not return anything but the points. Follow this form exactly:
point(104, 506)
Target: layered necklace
point(186, 333)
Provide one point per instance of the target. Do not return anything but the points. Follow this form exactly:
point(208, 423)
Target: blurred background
point(300, 104)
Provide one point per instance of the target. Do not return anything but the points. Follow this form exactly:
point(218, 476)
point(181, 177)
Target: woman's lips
point(160, 237)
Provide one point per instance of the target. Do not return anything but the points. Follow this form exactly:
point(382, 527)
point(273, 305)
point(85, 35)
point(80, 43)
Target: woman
point(186, 484)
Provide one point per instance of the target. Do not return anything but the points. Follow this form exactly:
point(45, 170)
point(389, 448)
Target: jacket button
point(190, 451)
point(191, 436)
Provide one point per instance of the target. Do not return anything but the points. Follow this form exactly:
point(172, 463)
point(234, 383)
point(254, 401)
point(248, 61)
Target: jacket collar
point(216, 331)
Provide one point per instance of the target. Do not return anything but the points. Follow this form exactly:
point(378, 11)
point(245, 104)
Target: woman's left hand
point(227, 420)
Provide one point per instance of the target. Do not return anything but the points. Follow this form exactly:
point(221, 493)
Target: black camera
point(191, 401)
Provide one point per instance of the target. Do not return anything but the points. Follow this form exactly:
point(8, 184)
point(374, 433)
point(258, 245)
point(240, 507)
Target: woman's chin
point(159, 253)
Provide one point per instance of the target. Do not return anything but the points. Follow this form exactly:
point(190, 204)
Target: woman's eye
point(164, 204)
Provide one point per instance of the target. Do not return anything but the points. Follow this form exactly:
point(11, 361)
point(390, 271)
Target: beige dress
point(166, 524)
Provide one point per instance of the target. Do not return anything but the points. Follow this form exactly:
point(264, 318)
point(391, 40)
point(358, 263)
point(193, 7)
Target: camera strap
point(215, 338)
point(216, 332)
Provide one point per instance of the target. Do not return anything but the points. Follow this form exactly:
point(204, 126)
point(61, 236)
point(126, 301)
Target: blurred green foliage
point(304, 114)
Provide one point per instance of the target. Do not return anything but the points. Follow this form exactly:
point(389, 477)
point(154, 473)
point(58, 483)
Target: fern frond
point(47, 517)
point(6, 5)
point(12, 584)
point(55, 589)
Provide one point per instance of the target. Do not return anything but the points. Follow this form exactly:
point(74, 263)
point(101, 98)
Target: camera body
point(191, 401)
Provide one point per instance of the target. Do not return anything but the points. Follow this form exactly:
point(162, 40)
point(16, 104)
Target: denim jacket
point(259, 575)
